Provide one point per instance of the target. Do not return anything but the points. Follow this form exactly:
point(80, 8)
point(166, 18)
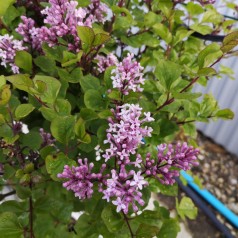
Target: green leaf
point(4, 6)
point(5, 94)
point(230, 41)
point(151, 18)
point(13, 206)
point(32, 140)
point(181, 34)
point(139, 40)
point(167, 72)
point(21, 81)
point(23, 110)
point(62, 128)
point(89, 143)
point(23, 192)
point(86, 35)
point(202, 29)
point(9, 171)
point(153, 218)
point(206, 72)
point(88, 114)
point(105, 114)
point(52, 88)
point(10, 226)
point(45, 64)
point(11, 14)
point(80, 128)
point(94, 100)
point(2, 81)
point(112, 219)
point(168, 190)
point(186, 208)
point(225, 114)
point(162, 31)
point(190, 129)
point(63, 107)
point(208, 55)
point(186, 95)
point(147, 231)
point(73, 77)
point(213, 17)
point(115, 95)
point(100, 39)
point(55, 53)
point(48, 113)
point(169, 229)
point(70, 58)
point(194, 8)
point(89, 82)
point(208, 106)
point(84, 225)
point(24, 60)
point(55, 164)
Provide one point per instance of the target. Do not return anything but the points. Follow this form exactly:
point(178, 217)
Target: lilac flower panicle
point(62, 18)
point(96, 12)
point(8, 49)
point(170, 160)
point(105, 61)
point(125, 133)
point(124, 187)
point(128, 76)
point(25, 29)
point(80, 179)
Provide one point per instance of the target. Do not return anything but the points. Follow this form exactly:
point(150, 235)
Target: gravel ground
point(218, 171)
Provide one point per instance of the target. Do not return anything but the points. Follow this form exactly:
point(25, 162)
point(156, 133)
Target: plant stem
point(31, 214)
point(128, 224)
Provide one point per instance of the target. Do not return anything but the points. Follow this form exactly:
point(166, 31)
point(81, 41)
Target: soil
point(218, 171)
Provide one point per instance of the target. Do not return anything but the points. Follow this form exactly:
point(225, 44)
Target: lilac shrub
point(105, 90)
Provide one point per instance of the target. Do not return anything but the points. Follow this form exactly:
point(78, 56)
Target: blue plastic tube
point(212, 200)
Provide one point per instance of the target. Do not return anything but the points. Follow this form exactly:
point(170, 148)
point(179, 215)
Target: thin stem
point(31, 214)
point(128, 224)
point(40, 101)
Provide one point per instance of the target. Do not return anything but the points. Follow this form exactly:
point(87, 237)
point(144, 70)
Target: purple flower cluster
point(80, 179)
point(125, 133)
point(128, 76)
point(170, 160)
point(8, 49)
point(105, 61)
point(123, 183)
point(125, 187)
point(96, 12)
point(47, 138)
point(31, 35)
point(62, 18)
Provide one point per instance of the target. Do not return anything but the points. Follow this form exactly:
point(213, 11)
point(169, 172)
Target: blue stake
point(211, 199)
